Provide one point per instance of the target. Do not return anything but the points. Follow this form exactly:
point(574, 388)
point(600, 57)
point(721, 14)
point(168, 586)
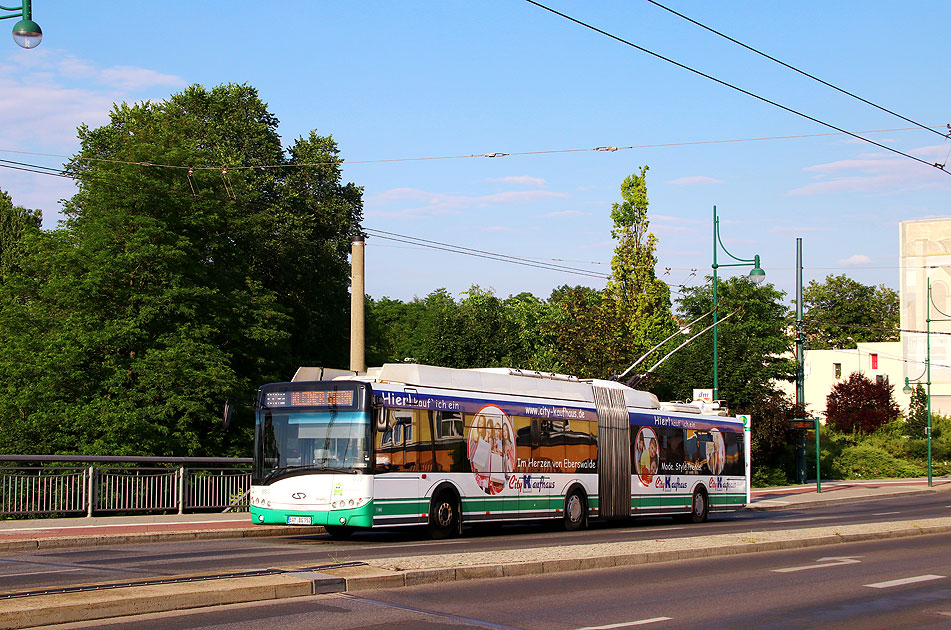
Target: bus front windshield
point(324, 440)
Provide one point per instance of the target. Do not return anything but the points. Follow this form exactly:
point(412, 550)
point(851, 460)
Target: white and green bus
point(408, 444)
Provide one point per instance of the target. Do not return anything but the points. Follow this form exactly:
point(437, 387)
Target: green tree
point(584, 333)
point(532, 345)
point(772, 439)
point(753, 344)
point(917, 420)
point(15, 221)
point(641, 302)
point(168, 290)
point(840, 312)
point(858, 404)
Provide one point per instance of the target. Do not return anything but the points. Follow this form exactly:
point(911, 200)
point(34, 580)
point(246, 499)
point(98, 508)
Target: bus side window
point(734, 465)
point(423, 448)
point(696, 445)
point(448, 425)
point(551, 444)
point(671, 449)
point(401, 423)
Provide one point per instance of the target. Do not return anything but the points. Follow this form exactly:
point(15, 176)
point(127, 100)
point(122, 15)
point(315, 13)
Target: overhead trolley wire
point(735, 87)
point(410, 240)
point(448, 157)
point(795, 69)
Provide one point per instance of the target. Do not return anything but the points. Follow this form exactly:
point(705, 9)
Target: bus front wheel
point(576, 511)
point(444, 515)
point(339, 531)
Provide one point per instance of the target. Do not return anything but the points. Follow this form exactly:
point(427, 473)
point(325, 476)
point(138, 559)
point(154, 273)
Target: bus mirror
point(226, 415)
point(381, 419)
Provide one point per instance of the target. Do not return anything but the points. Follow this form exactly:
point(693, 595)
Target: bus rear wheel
point(576, 511)
point(444, 515)
point(700, 507)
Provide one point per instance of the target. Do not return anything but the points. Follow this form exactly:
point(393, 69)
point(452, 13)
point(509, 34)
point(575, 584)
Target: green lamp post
point(26, 32)
point(757, 275)
point(927, 374)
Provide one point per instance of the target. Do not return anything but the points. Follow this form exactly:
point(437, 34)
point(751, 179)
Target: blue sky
point(393, 80)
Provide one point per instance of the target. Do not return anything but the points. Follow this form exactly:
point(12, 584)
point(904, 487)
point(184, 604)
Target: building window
point(837, 370)
point(880, 379)
point(874, 358)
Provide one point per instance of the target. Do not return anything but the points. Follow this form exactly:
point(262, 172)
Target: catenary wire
point(383, 233)
point(793, 68)
point(490, 256)
point(735, 87)
point(455, 157)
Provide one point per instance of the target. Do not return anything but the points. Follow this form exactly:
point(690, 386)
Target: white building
point(878, 361)
point(924, 255)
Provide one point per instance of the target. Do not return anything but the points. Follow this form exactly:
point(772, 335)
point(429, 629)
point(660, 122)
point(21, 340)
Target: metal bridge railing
point(37, 485)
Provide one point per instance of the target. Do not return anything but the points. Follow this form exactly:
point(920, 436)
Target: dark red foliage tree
point(858, 404)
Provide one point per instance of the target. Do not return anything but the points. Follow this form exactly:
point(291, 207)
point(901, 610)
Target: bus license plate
point(298, 520)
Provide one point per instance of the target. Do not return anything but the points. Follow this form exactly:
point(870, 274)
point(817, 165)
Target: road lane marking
point(826, 562)
point(627, 624)
point(810, 518)
point(885, 513)
point(423, 611)
point(7, 575)
point(908, 580)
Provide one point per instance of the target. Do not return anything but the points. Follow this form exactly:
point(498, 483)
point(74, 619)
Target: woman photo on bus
point(653, 460)
point(508, 448)
point(639, 451)
point(480, 450)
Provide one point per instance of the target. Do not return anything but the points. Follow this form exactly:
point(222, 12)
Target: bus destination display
point(340, 397)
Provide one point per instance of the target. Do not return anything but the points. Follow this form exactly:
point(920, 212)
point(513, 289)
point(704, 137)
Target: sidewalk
point(24, 535)
point(285, 582)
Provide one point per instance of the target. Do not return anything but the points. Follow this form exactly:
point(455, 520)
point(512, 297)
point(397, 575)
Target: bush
point(865, 461)
point(916, 449)
point(767, 476)
point(858, 404)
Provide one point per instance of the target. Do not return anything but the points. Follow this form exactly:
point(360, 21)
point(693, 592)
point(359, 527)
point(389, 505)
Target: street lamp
point(26, 32)
point(757, 275)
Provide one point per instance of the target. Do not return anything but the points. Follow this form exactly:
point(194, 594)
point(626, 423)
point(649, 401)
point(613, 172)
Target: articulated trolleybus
point(408, 444)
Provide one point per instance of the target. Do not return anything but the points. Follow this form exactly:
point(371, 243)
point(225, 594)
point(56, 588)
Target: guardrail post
point(181, 489)
point(91, 493)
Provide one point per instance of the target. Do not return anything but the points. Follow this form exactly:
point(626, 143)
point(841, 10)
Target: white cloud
point(498, 228)
point(45, 95)
point(432, 203)
point(876, 173)
point(130, 78)
point(520, 180)
point(695, 180)
point(857, 259)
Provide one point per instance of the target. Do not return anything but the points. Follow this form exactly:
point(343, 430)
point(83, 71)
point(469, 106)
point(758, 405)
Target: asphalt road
point(44, 569)
point(903, 583)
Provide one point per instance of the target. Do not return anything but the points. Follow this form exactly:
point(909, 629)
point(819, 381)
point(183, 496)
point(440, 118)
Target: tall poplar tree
point(641, 302)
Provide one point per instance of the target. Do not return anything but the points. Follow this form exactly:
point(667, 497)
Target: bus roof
point(485, 380)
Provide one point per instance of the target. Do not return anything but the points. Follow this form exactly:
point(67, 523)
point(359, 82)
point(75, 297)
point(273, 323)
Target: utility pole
point(357, 292)
point(800, 371)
